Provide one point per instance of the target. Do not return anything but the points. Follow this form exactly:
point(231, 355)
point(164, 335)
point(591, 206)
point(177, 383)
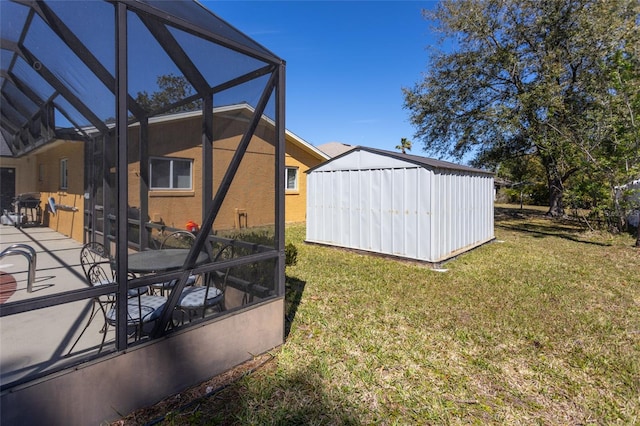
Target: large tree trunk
point(556, 206)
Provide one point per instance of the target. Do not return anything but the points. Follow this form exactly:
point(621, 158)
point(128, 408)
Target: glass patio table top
point(161, 260)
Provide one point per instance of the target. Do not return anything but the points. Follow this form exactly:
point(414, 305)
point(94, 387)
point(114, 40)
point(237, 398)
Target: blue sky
point(347, 62)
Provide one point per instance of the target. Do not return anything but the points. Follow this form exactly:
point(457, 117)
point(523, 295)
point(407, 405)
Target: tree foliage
point(172, 89)
point(404, 146)
point(557, 80)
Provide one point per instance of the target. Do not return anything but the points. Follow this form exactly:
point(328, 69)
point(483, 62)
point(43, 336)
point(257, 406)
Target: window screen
point(170, 173)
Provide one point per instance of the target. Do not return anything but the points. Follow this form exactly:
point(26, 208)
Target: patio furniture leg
point(94, 311)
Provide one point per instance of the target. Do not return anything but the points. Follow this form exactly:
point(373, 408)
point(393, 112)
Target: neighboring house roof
point(414, 159)
point(333, 149)
point(307, 146)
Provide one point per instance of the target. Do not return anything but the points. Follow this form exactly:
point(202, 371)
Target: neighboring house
point(631, 193)
point(400, 205)
point(333, 149)
point(300, 156)
point(57, 170)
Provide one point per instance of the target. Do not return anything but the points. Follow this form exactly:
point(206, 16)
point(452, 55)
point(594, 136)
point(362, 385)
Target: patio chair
point(141, 308)
point(199, 298)
point(92, 253)
point(95, 277)
point(101, 273)
point(177, 239)
point(95, 253)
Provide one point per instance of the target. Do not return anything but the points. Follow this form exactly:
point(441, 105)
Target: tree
point(405, 145)
point(171, 89)
point(526, 78)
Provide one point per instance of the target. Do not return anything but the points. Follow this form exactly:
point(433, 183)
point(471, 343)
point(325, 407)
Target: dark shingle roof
point(415, 159)
point(424, 161)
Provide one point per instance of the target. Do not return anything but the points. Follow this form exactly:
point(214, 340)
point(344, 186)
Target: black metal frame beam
point(115, 141)
point(280, 178)
point(122, 176)
point(216, 203)
point(197, 31)
point(177, 54)
point(62, 89)
point(85, 55)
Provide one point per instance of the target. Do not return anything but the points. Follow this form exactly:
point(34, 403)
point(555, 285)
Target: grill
point(28, 200)
point(27, 207)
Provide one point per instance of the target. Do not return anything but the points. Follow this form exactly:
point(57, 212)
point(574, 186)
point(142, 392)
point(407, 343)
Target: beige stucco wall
point(252, 191)
point(69, 216)
point(250, 201)
point(41, 173)
point(296, 200)
point(25, 172)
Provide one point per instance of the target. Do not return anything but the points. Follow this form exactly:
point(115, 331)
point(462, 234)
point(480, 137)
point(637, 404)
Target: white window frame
point(64, 173)
point(286, 178)
point(172, 161)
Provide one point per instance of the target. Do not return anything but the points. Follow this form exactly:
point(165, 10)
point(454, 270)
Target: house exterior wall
point(68, 219)
point(251, 193)
point(250, 201)
point(25, 172)
point(405, 210)
point(295, 207)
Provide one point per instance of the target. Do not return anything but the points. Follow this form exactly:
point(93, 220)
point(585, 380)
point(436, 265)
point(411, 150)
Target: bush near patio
point(542, 326)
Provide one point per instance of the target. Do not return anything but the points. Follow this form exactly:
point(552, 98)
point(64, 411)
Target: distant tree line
point(537, 91)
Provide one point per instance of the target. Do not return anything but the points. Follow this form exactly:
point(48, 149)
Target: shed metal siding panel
point(409, 211)
point(425, 228)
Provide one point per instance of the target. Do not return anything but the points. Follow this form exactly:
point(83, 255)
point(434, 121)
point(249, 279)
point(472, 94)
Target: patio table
point(161, 260)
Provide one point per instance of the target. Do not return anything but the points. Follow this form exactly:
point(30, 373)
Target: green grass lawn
point(540, 327)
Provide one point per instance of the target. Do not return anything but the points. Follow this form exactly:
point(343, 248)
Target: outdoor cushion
point(193, 297)
point(151, 307)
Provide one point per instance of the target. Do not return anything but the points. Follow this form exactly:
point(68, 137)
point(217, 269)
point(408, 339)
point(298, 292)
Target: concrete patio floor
point(36, 342)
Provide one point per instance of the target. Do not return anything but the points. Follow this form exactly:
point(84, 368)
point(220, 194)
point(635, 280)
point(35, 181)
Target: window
point(63, 173)
point(170, 173)
point(291, 178)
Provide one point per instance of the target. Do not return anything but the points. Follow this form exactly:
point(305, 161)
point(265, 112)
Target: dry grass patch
point(542, 328)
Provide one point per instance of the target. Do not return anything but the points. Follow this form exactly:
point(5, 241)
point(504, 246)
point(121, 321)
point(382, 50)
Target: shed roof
point(427, 162)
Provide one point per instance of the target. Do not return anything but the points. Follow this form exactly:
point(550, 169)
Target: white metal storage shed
point(399, 204)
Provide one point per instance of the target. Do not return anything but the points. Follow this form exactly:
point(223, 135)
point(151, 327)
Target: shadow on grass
point(539, 225)
point(295, 399)
point(293, 295)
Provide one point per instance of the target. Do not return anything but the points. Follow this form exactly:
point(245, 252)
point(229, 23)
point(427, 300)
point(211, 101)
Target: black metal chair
point(177, 239)
point(200, 298)
point(92, 253)
point(98, 269)
point(141, 308)
point(96, 276)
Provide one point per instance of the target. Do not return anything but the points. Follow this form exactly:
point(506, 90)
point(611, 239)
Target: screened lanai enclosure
point(149, 138)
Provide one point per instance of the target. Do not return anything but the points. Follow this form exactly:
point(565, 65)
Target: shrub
point(290, 254)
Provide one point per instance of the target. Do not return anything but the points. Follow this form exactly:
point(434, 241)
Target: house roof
point(290, 136)
point(333, 149)
point(413, 159)
point(307, 146)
